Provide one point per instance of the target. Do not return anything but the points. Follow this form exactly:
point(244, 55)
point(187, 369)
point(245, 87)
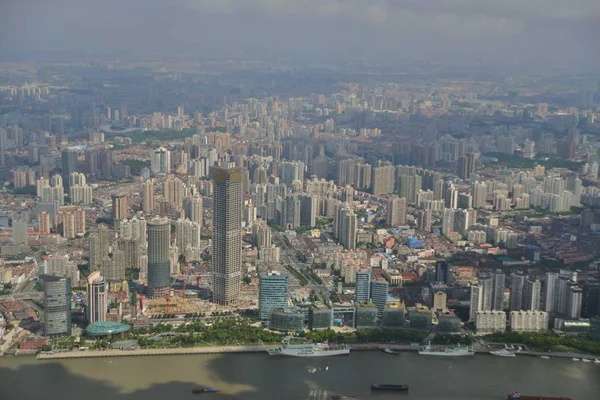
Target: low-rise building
point(394, 316)
point(528, 321)
point(320, 318)
point(287, 320)
point(490, 321)
point(366, 316)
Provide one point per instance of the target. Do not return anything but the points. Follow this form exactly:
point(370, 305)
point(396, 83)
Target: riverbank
point(151, 352)
point(257, 349)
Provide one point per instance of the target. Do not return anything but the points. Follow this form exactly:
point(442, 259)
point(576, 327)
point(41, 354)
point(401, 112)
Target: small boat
point(597, 361)
point(586, 360)
point(390, 388)
point(205, 390)
point(390, 351)
point(519, 396)
point(503, 353)
point(575, 359)
point(545, 357)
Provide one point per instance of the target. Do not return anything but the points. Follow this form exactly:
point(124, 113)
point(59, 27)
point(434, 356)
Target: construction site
point(179, 298)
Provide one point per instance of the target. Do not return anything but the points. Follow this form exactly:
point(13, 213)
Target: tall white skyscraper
point(97, 301)
point(160, 161)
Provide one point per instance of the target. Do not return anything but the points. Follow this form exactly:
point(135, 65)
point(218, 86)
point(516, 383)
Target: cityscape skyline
point(302, 179)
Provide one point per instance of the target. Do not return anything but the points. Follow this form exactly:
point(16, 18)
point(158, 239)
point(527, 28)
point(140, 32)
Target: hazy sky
point(516, 30)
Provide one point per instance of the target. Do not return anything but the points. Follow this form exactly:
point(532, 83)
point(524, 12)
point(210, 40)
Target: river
point(262, 377)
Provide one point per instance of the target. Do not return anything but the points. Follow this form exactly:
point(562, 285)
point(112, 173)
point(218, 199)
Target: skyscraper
point(120, 208)
point(227, 235)
point(68, 159)
point(363, 286)
point(476, 302)
point(516, 291)
point(160, 161)
point(19, 231)
point(396, 211)
point(499, 283)
point(550, 283)
point(99, 247)
point(159, 241)
point(96, 301)
point(379, 294)
point(148, 196)
point(272, 293)
point(57, 302)
point(532, 295)
point(443, 273)
point(194, 209)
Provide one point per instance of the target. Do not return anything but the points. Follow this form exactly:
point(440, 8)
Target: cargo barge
point(389, 388)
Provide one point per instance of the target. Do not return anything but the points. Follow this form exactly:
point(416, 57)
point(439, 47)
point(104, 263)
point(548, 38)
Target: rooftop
point(105, 328)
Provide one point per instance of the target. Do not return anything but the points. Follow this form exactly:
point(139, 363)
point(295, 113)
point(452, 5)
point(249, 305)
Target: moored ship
point(296, 347)
point(446, 351)
point(519, 396)
point(503, 353)
point(205, 390)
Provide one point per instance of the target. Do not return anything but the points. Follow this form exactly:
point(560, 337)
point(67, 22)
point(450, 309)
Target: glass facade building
point(272, 293)
point(57, 302)
point(287, 320)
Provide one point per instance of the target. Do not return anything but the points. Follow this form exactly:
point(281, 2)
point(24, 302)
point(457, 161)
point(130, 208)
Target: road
point(288, 257)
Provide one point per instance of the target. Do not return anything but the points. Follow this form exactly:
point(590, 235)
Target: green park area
point(548, 342)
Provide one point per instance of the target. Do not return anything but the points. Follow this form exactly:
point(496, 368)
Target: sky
point(518, 31)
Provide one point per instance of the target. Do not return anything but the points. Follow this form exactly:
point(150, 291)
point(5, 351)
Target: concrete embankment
point(151, 352)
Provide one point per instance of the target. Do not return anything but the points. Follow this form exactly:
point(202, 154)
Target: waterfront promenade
point(151, 352)
point(256, 349)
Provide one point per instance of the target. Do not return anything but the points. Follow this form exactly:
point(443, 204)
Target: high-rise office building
point(160, 161)
point(383, 179)
point(68, 160)
point(532, 295)
point(487, 285)
point(308, 209)
point(379, 295)
point(443, 272)
point(57, 305)
point(466, 166)
point(194, 209)
point(174, 191)
point(396, 211)
point(348, 227)
point(227, 235)
point(96, 298)
point(44, 222)
point(120, 208)
point(363, 286)
point(19, 231)
point(574, 302)
point(549, 296)
point(499, 284)
point(2, 146)
point(409, 187)
point(425, 217)
point(516, 291)
point(148, 196)
point(159, 241)
point(476, 302)
point(99, 247)
point(272, 293)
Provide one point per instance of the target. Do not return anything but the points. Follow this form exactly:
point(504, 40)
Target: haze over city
point(509, 32)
